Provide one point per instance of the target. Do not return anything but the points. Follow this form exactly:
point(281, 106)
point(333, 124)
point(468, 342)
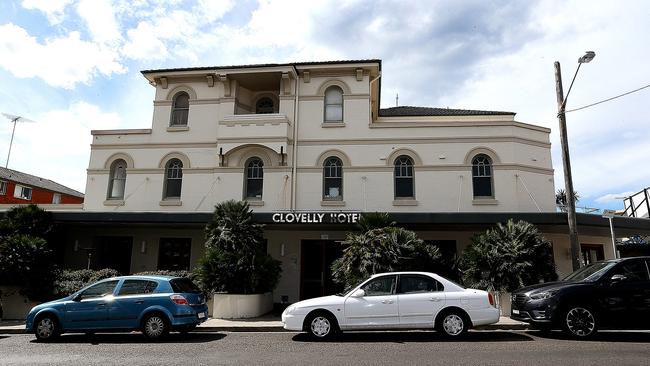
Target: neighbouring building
point(308, 146)
point(17, 188)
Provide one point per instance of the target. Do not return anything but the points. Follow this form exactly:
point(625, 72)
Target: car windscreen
point(590, 273)
point(184, 285)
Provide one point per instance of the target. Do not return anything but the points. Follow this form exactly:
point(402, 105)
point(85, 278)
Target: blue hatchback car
point(153, 304)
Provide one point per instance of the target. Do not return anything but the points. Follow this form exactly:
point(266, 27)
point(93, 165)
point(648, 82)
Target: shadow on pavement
point(404, 337)
point(136, 338)
point(602, 336)
point(2, 337)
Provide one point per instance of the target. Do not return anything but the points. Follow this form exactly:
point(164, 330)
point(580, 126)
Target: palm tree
point(561, 199)
point(374, 220)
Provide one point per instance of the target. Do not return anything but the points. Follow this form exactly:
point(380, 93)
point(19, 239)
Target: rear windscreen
point(184, 285)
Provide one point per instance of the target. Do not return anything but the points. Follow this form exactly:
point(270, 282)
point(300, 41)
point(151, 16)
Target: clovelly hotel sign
point(316, 217)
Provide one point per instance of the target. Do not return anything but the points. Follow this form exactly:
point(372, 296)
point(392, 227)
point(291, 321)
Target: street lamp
point(568, 180)
point(609, 214)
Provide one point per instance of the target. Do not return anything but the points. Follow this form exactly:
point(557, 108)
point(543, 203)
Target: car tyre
point(321, 326)
point(579, 321)
point(155, 326)
point(46, 328)
point(452, 324)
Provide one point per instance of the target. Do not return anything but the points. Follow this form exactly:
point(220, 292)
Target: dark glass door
point(592, 253)
point(113, 252)
point(316, 275)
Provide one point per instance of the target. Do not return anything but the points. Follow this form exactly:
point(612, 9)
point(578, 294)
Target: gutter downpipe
point(294, 157)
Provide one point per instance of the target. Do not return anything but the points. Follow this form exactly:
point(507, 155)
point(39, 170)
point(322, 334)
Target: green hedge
point(70, 281)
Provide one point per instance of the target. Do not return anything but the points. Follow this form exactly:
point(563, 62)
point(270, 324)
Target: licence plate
point(201, 315)
point(515, 311)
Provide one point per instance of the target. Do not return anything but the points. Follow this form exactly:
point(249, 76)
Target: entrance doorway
point(113, 252)
point(592, 253)
point(315, 270)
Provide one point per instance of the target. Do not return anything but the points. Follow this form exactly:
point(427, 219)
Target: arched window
point(173, 179)
point(482, 176)
point(404, 187)
point(254, 179)
point(180, 109)
point(264, 105)
point(332, 179)
point(117, 180)
point(333, 104)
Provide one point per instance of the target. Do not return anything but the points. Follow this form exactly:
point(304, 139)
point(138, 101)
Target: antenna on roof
point(13, 119)
point(396, 99)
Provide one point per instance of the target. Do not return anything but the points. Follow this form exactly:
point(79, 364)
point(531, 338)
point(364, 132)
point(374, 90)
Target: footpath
point(262, 324)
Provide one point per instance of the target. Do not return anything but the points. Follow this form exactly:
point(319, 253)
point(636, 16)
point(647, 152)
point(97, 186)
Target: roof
point(208, 68)
point(34, 181)
point(407, 111)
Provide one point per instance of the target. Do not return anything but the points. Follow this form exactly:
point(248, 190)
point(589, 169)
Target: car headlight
point(290, 309)
point(542, 295)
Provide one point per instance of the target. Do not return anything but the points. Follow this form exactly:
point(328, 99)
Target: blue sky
point(74, 65)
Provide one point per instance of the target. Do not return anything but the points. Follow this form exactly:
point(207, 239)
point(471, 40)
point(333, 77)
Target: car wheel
point(321, 326)
point(46, 328)
point(452, 324)
point(579, 321)
point(154, 326)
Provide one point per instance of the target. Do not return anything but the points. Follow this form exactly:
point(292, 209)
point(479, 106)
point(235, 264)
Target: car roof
point(143, 277)
point(402, 272)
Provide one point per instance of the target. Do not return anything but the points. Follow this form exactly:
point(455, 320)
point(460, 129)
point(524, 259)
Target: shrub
point(235, 260)
point(384, 249)
point(27, 220)
point(26, 261)
point(165, 272)
point(70, 281)
point(508, 257)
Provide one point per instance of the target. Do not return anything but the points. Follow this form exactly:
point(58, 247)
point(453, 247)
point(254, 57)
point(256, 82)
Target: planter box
point(232, 306)
point(14, 305)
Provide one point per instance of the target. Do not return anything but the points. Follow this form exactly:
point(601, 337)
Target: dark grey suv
point(612, 294)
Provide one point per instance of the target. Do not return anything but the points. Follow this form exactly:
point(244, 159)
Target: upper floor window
point(264, 105)
point(254, 179)
point(56, 198)
point(3, 187)
point(482, 176)
point(333, 179)
point(23, 192)
point(180, 109)
point(173, 178)
point(334, 104)
point(404, 185)
point(117, 180)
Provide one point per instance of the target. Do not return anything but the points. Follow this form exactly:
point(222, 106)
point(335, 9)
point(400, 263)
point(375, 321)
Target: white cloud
point(57, 145)
point(144, 43)
point(61, 62)
point(53, 9)
point(613, 197)
point(100, 20)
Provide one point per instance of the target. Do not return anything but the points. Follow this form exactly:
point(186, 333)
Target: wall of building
point(38, 196)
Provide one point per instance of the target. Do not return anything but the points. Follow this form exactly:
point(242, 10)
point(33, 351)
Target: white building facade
point(306, 138)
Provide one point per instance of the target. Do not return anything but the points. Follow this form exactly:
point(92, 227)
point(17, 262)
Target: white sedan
point(397, 300)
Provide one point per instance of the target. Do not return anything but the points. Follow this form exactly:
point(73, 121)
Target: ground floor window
point(591, 253)
point(174, 254)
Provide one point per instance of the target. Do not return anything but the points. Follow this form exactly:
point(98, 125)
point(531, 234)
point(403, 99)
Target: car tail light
point(491, 298)
point(179, 300)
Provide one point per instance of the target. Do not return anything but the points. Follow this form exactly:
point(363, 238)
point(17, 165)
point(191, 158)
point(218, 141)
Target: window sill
point(332, 124)
point(177, 128)
point(484, 201)
point(332, 203)
point(114, 203)
point(255, 202)
point(405, 202)
point(171, 202)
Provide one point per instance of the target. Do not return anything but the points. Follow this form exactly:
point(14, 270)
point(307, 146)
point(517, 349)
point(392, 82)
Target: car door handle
point(139, 301)
point(101, 304)
point(435, 299)
point(387, 302)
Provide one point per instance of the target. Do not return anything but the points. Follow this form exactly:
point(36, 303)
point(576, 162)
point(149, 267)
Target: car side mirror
point(359, 293)
point(76, 298)
point(618, 278)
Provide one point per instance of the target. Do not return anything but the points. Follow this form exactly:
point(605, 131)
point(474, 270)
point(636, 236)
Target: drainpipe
point(294, 157)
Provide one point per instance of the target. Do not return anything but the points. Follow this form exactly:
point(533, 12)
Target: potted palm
point(235, 266)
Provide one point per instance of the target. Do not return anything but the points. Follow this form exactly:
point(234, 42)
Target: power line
point(608, 99)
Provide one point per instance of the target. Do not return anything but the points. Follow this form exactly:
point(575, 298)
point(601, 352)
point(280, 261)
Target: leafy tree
point(26, 261)
point(235, 260)
point(561, 199)
point(374, 220)
point(507, 257)
point(383, 249)
point(27, 220)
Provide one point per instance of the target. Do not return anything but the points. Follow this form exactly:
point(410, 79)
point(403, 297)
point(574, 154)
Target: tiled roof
point(207, 68)
point(405, 111)
point(34, 181)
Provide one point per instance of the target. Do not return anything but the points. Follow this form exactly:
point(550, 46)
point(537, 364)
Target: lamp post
point(568, 180)
point(609, 214)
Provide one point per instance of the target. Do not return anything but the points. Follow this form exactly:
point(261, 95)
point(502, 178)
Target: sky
point(74, 66)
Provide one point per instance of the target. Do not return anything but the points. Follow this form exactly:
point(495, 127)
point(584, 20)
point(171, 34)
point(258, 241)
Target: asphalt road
point(376, 348)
